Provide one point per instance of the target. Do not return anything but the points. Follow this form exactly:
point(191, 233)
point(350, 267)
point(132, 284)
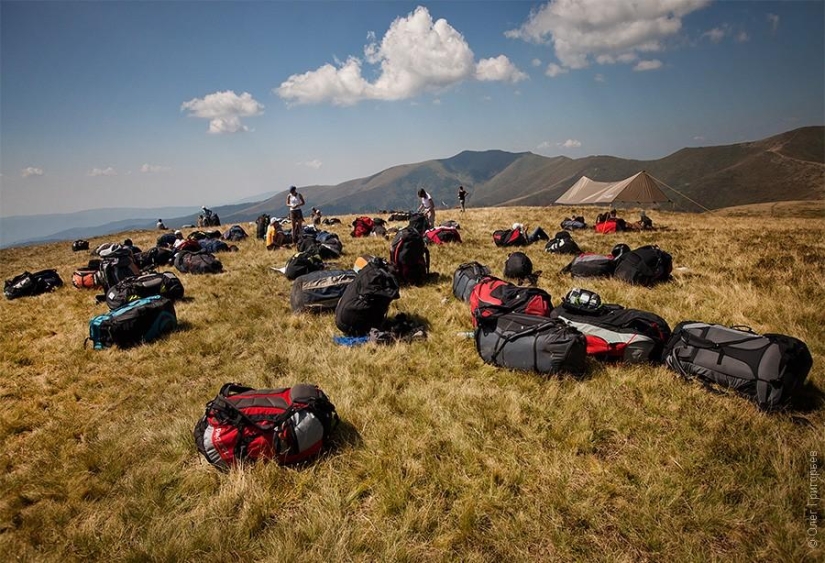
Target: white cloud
point(31, 171)
point(224, 110)
point(642, 66)
point(715, 35)
point(314, 163)
point(536, 62)
point(742, 37)
point(499, 68)
point(773, 20)
point(698, 138)
point(599, 78)
point(437, 101)
point(416, 55)
point(570, 144)
point(108, 171)
point(553, 70)
point(153, 168)
point(544, 145)
point(581, 31)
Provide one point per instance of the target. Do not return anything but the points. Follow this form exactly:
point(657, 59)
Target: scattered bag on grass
point(28, 284)
point(242, 424)
point(143, 320)
point(766, 368)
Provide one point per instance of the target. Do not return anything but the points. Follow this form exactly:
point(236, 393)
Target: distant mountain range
point(789, 166)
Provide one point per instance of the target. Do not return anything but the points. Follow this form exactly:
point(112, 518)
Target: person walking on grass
point(427, 207)
point(295, 201)
point(462, 196)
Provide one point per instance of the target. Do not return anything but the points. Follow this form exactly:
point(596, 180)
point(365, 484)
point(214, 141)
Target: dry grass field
point(439, 456)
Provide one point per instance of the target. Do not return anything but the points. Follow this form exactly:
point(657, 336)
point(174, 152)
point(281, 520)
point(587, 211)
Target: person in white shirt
point(295, 201)
point(427, 207)
point(180, 239)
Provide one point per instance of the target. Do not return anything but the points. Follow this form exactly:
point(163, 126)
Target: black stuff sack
point(765, 368)
point(647, 265)
point(367, 299)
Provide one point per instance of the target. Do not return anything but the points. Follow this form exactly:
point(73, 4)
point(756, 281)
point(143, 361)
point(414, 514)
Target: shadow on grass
point(808, 398)
point(345, 436)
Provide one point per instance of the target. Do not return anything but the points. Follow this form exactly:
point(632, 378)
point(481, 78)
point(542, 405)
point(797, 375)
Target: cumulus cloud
point(715, 35)
point(153, 168)
point(224, 110)
point(31, 171)
point(642, 66)
point(583, 31)
point(416, 55)
point(773, 20)
point(544, 145)
point(314, 163)
point(536, 62)
point(599, 78)
point(499, 68)
point(742, 37)
point(108, 171)
point(698, 138)
point(570, 144)
point(553, 70)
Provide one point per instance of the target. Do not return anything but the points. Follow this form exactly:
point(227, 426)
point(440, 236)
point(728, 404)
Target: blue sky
point(174, 103)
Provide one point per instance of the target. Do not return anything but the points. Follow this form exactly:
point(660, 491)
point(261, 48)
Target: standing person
point(462, 196)
point(427, 207)
point(295, 201)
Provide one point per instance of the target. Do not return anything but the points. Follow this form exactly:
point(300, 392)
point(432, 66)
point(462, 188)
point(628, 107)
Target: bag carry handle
point(515, 336)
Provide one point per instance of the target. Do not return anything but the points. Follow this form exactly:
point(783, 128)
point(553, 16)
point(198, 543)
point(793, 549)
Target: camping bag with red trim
point(362, 227)
point(442, 235)
point(85, 278)
point(242, 424)
point(493, 297)
point(509, 237)
point(614, 333)
point(409, 257)
point(527, 342)
point(647, 265)
point(466, 277)
point(605, 227)
point(588, 265)
point(765, 368)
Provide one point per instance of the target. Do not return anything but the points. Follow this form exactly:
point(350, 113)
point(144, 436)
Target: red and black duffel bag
point(492, 297)
point(288, 425)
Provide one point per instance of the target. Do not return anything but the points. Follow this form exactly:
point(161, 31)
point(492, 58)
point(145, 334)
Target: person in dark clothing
point(462, 197)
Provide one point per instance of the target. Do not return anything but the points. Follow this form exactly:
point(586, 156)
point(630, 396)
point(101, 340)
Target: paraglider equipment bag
point(79, 245)
point(528, 342)
point(320, 291)
point(765, 368)
point(492, 297)
point(28, 284)
point(466, 277)
point(136, 322)
point(165, 284)
point(288, 425)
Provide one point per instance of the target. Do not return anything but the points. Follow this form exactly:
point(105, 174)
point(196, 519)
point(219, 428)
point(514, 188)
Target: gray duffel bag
point(765, 368)
point(530, 342)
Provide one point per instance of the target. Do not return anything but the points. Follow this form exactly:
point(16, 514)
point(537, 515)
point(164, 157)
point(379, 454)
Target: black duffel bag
point(647, 265)
point(28, 284)
point(165, 284)
point(79, 245)
point(529, 342)
point(765, 368)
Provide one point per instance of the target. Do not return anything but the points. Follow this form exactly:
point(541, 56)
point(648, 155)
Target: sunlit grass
point(439, 456)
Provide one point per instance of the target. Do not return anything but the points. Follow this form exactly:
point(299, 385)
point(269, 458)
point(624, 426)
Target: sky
point(149, 104)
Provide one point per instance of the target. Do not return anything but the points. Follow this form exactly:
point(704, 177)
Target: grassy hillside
point(439, 456)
